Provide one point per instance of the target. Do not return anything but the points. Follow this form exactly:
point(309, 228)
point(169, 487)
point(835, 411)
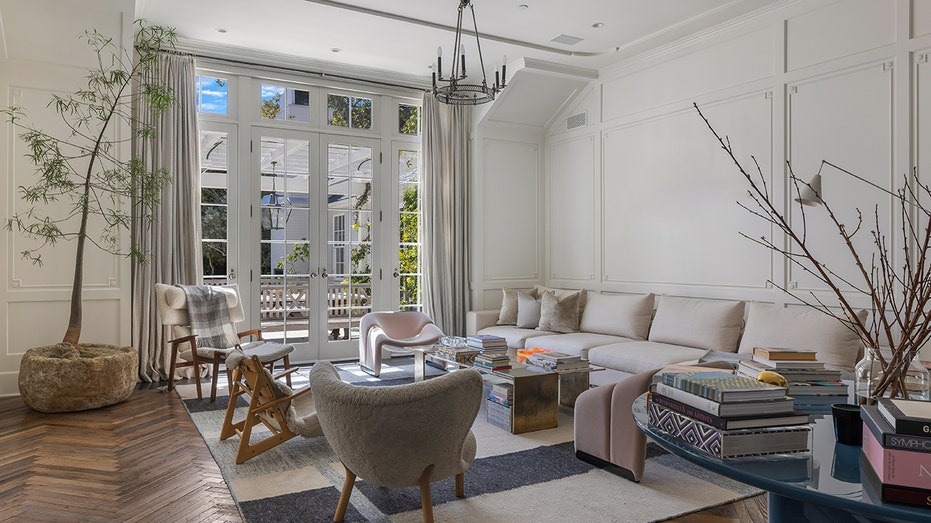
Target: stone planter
point(55, 379)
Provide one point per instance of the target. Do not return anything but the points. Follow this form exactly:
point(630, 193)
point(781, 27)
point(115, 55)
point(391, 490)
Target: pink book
point(897, 467)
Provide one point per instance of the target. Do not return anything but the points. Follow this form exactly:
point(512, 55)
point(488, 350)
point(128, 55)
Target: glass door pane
point(410, 215)
point(285, 240)
point(350, 197)
point(217, 256)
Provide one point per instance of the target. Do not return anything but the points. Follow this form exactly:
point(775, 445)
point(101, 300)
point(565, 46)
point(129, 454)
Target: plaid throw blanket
point(210, 317)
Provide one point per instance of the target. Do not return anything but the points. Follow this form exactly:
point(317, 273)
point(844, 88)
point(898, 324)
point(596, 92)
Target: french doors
point(316, 239)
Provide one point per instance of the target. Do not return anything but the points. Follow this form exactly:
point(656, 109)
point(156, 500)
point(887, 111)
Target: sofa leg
point(607, 465)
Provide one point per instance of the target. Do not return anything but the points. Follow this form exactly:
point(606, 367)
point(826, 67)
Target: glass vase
point(868, 373)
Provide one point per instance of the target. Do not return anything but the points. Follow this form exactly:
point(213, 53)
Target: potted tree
point(87, 191)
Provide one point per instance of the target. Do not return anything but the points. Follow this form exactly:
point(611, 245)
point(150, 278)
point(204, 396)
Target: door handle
point(324, 273)
point(232, 274)
point(396, 273)
point(312, 275)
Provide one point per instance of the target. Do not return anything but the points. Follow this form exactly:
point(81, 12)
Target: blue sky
point(214, 94)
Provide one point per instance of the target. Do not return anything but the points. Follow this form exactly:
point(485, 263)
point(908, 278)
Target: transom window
point(285, 103)
point(349, 111)
point(212, 94)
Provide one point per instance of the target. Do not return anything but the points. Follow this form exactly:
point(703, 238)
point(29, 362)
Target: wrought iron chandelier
point(456, 91)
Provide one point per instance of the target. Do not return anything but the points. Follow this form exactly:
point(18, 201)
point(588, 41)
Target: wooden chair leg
point(171, 369)
point(425, 501)
point(213, 382)
point(287, 367)
point(344, 495)
point(460, 485)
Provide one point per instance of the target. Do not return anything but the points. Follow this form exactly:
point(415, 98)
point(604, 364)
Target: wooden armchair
point(284, 412)
point(172, 310)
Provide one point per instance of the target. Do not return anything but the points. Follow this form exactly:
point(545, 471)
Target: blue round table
point(818, 486)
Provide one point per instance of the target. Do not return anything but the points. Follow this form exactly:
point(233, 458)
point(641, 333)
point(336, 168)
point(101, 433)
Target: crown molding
point(325, 70)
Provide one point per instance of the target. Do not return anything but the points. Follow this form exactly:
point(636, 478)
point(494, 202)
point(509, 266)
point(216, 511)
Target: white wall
point(643, 199)
point(40, 54)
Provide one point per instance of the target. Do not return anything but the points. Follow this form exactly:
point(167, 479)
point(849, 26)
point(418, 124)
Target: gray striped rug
point(532, 477)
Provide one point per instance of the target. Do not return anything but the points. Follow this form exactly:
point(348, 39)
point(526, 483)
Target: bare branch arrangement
point(899, 295)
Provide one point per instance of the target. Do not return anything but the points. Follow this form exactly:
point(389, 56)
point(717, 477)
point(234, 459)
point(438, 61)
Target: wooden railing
point(345, 305)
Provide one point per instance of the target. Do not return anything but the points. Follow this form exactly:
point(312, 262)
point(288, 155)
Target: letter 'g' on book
point(907, 416)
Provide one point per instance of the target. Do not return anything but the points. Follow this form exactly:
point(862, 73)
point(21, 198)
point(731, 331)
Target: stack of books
point(492, 361)
point(487, 342)
point(456, 354)
point(896, 461)
point(727, 416)
point(498, 405)
point(813, 386)
point(558, 361)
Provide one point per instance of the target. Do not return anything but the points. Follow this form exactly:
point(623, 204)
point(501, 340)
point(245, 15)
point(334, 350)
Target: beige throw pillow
point(528, 310)
point(508, 313)
point(559, 315)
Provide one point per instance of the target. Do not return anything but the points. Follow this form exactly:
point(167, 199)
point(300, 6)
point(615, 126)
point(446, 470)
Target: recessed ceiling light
point(335, 50)
point(222, 30)
point(598, 25)
point(523, 7)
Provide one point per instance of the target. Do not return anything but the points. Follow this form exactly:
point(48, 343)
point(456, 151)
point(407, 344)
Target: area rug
point(532, 477)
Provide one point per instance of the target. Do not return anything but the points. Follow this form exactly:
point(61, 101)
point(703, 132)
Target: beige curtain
point(446, 213)
point(172, 240)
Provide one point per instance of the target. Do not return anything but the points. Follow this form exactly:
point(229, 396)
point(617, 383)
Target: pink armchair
point(394, 332)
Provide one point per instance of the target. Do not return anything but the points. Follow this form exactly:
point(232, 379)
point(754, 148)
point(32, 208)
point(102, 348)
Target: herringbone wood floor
point(143, 460)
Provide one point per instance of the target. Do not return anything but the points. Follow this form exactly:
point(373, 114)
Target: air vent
point(576, 120)
point(566, 39)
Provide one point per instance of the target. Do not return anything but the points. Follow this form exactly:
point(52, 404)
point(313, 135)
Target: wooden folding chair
point(272, 404)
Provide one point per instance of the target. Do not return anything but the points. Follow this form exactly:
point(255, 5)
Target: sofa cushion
point(507, 315)
point(515, 336)
point(576, 343)
point(641, 356)
point(703, 324)
point(528, 310)
point(618, 315)
point(559, 314)
point(801, 328)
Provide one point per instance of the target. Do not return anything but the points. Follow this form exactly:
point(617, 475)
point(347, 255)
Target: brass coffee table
point(538, 393)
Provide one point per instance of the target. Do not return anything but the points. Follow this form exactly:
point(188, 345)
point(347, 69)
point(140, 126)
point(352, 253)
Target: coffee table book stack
point(813, 387)
point(498, 406)
point(896, 458)
point(727, 416)
point(558, 361)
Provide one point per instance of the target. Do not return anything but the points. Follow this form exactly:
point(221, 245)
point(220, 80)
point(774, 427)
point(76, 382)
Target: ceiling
point(398, 39)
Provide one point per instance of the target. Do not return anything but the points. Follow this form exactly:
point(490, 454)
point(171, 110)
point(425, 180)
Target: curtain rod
point(305, 71)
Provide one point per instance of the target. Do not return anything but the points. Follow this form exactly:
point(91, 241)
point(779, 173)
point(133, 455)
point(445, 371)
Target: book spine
point(906, 496)
point(897, 467)
point(887, 437)
point(692, 412)
point(689, 399)
point(702, 437)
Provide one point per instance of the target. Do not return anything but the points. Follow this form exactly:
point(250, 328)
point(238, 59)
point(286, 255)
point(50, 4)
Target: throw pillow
point(801, 328)
point(559, 315)
point(528, 311)
point(508, 313)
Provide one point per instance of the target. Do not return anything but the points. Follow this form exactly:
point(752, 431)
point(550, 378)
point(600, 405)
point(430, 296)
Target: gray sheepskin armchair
point(399, 436)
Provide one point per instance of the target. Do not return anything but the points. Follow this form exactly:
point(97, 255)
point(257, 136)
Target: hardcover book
point(788, 364)
point(723, 387)
point(907, 416)
point(729, 443)
point(718, 422)
point(753, 368)
point(785, 354)
point(879, 492)
point(886, 435)
point(897, 467)
point(781, 405)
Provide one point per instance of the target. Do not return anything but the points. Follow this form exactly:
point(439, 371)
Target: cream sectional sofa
point(625, 335)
